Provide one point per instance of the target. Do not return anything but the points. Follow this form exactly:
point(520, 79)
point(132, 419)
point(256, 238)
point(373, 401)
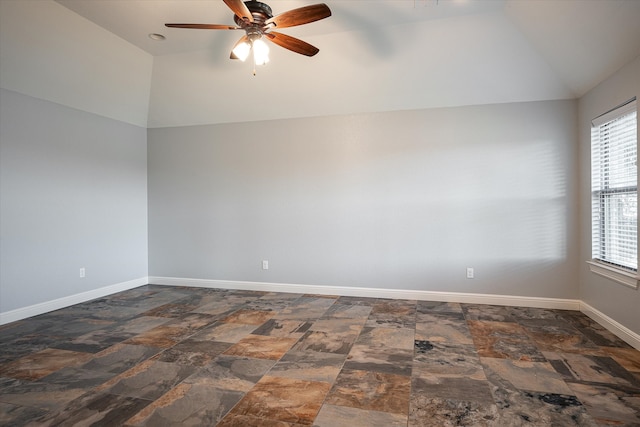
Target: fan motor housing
point(260, 12)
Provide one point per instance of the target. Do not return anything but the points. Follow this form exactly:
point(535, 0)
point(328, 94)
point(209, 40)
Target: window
point(614, 191)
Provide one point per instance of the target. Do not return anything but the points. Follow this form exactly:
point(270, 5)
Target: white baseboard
point(56, 304)
point(469, 298)
point(616, 328)
point(613, 326)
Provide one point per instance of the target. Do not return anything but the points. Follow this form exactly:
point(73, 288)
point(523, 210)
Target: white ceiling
point(133, 20)
point(374, 55)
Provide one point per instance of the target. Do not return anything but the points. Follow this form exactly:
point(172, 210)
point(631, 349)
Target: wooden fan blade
point(242, 40)
point(302, 15)
point(203, 26)
point(292, 43)
point(240, 9)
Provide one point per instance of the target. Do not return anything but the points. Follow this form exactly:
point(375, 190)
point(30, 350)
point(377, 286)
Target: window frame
point(625, 275)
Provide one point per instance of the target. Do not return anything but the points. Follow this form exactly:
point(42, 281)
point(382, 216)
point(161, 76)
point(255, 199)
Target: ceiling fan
point(257, 20)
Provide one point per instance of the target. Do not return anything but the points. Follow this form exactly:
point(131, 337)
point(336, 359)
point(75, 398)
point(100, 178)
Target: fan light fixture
point(259, 47)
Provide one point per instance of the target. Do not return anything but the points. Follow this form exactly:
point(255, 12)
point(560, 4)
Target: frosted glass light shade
point(241, 51)
point(260, 52)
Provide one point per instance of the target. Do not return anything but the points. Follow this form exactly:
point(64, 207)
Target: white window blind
point(614, 187)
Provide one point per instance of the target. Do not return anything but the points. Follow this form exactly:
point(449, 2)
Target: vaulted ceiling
point(374, 56)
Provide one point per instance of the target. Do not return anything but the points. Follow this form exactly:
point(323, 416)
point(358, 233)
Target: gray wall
point(613, 299)
point(402, 200)
point(73, 194)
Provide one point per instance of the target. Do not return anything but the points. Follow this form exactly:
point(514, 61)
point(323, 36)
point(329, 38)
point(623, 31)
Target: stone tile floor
point(163, 356)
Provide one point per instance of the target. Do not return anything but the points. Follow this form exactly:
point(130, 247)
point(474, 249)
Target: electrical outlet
point(265, 265)
point(82, 273)
point(469, 272)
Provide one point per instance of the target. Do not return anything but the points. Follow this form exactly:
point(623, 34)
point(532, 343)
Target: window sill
point(619, 275)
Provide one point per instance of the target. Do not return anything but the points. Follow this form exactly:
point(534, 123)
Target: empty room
point(289, 213)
